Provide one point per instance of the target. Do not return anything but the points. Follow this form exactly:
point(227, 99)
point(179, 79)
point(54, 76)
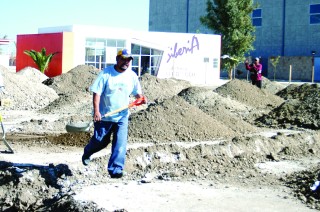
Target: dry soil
point(231, 147)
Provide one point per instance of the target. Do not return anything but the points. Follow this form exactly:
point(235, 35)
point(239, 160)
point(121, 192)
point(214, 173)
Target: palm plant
point(41, 59)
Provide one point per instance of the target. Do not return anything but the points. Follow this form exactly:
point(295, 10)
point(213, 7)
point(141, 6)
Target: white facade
point(4, 60)
point(191, 57)
point(7, 51)
point(187, 56)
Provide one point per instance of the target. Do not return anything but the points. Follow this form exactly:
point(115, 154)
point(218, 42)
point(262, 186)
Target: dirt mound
point(175, 120)
point(301, 109)
point(37, 188)
point(259, 101)
point(271, 86)
point(301, 182)
point(73, 90)
point(225, 159)
point(76, 80)
point(160, 89)
point(229, 112)
point(68, 203)
point(76, 103)
point(25, 89)
point(250, 95)
point(22, 195)
point(289, 92)
point(302, 92)
point(32, 74)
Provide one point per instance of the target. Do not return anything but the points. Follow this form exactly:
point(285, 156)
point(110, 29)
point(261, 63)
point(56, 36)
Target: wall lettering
point(176, 52)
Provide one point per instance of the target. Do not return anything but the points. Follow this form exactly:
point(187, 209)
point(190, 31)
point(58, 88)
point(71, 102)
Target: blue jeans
point(102, 137)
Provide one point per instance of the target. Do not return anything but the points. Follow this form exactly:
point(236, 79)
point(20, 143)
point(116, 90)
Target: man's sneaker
point(85, 160)
point(118, 175)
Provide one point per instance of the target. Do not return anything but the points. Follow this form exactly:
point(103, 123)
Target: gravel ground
point(235, 136)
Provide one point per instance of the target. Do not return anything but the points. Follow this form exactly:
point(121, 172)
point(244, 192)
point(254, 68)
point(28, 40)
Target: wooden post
point(290, 73)
point(312, 73)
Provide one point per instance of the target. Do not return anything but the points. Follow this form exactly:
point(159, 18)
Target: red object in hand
point(138, 102)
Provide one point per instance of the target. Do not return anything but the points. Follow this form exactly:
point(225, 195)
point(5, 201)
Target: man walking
point(111, 91)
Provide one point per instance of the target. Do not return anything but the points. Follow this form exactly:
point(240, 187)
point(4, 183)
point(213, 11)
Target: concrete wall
point(301, 69)
point(177, 16)
point(269, 36)
point(286, 29)
point(51, 42)
point(166, 11)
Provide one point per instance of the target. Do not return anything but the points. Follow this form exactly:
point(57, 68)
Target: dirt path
point(190, 149)
point(152, 194)
point(189, 196)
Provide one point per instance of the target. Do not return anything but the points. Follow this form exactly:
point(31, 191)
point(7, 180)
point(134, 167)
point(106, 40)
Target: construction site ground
point(228, 147)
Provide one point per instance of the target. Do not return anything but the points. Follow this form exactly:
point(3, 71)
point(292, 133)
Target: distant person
point(255, 69)
point(111, 90)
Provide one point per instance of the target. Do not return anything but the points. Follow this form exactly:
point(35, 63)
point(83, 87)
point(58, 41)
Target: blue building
point(283, 27)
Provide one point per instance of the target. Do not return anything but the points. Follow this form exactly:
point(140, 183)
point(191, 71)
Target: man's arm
point(248, 67)
point(96, 109)
point(257, 68)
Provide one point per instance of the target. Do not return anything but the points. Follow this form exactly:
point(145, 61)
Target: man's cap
point(124, 53)
point(256, 59)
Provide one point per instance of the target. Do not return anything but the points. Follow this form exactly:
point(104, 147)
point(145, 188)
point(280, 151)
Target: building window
point(145, 59)
point(215, 63)
point(315, 14)
point(257, 17)
point(102, 52)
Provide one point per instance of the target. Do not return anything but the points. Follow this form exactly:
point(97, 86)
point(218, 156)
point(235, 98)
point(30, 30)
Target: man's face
point(123, 63)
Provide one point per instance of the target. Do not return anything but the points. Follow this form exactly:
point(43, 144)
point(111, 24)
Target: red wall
point(52, 42)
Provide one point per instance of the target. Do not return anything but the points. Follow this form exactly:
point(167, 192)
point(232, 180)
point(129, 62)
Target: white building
point(187, 56)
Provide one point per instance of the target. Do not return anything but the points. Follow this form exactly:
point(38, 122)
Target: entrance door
point(145, 64)
point(135, 65)
point(317, 69)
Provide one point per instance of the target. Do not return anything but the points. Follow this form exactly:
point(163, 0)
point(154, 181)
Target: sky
point(26, 16)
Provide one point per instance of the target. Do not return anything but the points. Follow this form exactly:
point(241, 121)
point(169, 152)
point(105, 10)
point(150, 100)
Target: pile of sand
point(25, 89)
point(302, 108)
point(228, 110)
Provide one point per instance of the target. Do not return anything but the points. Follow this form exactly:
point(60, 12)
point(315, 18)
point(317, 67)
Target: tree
point(274, 62)
point(231, 19)
point(41, 59)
